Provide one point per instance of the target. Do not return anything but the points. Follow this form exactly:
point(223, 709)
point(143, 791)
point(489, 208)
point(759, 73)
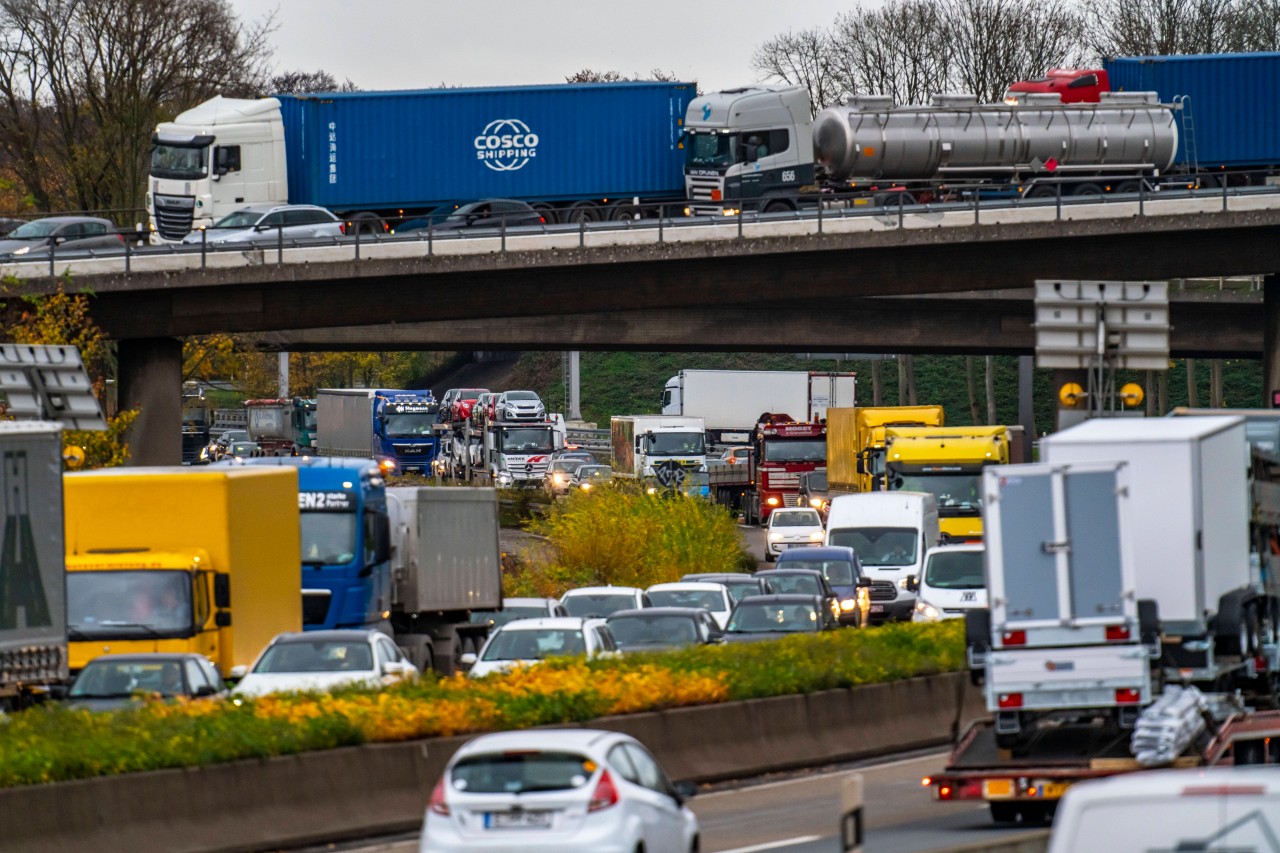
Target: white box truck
point(730, 402)
point(891, 533)
point(669, 453)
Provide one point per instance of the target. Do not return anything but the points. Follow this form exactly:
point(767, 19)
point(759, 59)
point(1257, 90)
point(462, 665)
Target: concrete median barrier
point(383, 788)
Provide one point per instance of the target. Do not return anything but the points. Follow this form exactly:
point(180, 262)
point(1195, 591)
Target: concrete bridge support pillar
point(1271, 339)
point(150, 379)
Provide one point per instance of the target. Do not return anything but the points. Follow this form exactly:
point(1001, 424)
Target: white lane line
point(773, 845)
point(783, 782)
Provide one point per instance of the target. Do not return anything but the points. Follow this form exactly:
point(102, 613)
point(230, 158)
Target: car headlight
point(816, 503)
point(816, 536)
point(775, 537)
point(505, 479)
point(926, 612)
point(21, 250)
point(847, 604)
point(586, 486)
point(558, 479)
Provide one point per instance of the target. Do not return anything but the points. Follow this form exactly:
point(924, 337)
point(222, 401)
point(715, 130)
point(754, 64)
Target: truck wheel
point(547, 212)
point(582, 211)
point(1087, 190)
point(777, 206)
point(624, 211)
point(1041, 191)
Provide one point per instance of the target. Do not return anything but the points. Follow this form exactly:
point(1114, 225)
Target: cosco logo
point(788, 176)
point(506, 144)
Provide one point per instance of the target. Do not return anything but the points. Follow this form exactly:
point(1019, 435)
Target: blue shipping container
point(1234, 100)
point(421, 149)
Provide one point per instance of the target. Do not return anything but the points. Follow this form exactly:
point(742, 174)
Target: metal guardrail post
point(127, 259)
point(900, 211)
point(431, 231)
point(1058, 194)
point(53, 251)
point(662, 210)
point(1224, 193)
point(504, 232)
point(357, 242)
point(204, 245)
point(582, 229)
point(280, 244)
point(740, 220)
point(1142, 197)
point(977, 205)
point(819, 216)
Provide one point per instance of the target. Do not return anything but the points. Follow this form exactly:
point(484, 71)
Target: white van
point(1214, 808)
point(954, 580)
point(891, 532)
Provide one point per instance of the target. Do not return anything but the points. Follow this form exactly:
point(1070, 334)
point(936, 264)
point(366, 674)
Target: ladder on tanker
point(1182, 103)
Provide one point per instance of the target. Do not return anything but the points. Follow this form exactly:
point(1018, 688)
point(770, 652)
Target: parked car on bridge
point(766, 617)
point(792, 527)
point(562, 790)
point(739, 584)
point(489, 213)
point(64, 233)
point(600, 601)
point(482, 411)
point(842, 569)
point(261, 224)
point(711, 597)
point(659, 628)
point(527, 641)
point(116, 681)
point(323, 660)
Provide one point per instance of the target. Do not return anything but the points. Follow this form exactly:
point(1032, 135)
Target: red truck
point(781, 450)
point(1075, 85)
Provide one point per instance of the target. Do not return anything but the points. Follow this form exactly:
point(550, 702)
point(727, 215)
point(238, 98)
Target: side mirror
point(862, 466)
point(913, 584)
point(685, 791)
point(205, 690)
point(468, 659)
point(863, 582)
point(222, 619)
point(59, 692)
point(222, 590)
point(239, 671)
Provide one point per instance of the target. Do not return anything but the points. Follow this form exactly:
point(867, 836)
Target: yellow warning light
point(1071, 395)
point(73, 456)
point(1132, 394)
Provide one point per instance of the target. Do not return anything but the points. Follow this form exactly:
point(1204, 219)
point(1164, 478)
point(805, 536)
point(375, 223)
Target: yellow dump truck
point(947, 462)
point(176, 560)
point(856, 441)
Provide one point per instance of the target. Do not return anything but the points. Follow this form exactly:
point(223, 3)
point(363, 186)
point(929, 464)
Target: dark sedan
point(767, 617)
point(116, 681)
point(66, 233)
point(490, 213)
point(653, 629)
point(840, 565)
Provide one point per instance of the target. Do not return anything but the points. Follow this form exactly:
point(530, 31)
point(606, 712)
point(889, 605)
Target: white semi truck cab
point(668, 452)
point(749, 144)
point(214, 159)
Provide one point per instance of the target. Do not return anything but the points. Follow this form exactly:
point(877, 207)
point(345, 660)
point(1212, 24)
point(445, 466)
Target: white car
point(600, 601)
point(519, 406)
point(711, 597)
point(528, 641)
point(953, 581)
point(266, 224)
point(792, 527)
point(561, 790)
point(323, 660)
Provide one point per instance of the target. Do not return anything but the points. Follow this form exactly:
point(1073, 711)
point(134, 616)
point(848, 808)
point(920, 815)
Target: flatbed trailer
point(1027, 786)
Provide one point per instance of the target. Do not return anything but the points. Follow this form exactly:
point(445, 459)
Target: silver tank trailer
point(955, 137)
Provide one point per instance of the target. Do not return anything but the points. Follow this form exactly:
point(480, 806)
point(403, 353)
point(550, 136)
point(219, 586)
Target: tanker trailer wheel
point(1087, 190)
point(1041, 191)
point(1128, 187)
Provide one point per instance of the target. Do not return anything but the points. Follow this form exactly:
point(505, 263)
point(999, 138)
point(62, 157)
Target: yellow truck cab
point(856, 442)
point(947, 462)
point(176, 560)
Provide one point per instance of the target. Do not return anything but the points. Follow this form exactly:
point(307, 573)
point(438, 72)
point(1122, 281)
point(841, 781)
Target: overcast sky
point(409, 44)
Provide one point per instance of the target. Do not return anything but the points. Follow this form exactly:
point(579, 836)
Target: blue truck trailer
point(1230, 116)
point(575, 151)
point(392, 427)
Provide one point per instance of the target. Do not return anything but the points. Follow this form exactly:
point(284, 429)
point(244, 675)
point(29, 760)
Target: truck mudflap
point(1043, 679)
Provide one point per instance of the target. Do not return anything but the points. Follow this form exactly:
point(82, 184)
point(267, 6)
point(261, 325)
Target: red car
point(465, 400)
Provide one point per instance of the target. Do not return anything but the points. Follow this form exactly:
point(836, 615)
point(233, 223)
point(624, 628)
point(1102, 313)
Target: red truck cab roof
point(1074, 85)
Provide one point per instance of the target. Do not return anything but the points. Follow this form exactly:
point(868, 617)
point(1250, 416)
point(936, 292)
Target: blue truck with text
point(392, 427)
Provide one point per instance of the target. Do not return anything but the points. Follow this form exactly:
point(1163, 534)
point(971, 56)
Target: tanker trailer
point(1110, 145)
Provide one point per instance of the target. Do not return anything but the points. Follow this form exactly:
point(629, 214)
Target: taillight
point(542, 221)
point(605, 794)
point(342, 227)
point(1014, 638)
point(437, 804)
point(1117, 632)
point(1128, 696)
point(120, 237)
point(1011, 700)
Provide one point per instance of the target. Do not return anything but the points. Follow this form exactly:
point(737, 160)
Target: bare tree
point(1254, 25)
point(83, 85)
point(996, 42)
point(900, 49)
point(800, 58)
point(1151, 27)
point(299, 82)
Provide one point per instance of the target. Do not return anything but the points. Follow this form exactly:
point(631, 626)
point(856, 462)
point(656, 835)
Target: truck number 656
point(788, 176)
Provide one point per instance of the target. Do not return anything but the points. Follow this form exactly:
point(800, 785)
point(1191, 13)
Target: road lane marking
point(773, 845)
point(805, 778)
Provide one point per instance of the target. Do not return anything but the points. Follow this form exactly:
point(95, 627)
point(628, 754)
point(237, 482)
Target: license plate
point(877, 608)
point(1052, 790)
point(996, 789)
point(517, 820)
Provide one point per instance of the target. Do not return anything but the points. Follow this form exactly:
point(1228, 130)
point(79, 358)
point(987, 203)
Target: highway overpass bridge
point(839, 283)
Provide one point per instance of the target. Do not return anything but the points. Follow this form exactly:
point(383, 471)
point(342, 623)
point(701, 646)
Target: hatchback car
point(528, 641)
point(261, 224)
point(464, 402)
point(842, 569)
point(561, 790)
point(588, 477)
point(63, 233)
point(519, 406)
point(600, 601)
point(793, 527)
point(659, 628)
point(483, 409)
point(323, 660)
point(711, 597)
point(739, 584)
point(764, 617)
point(115, 681)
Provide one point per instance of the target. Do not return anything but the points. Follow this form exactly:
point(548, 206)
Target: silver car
point(265, 224)
point(67, 233)
point(519, 406)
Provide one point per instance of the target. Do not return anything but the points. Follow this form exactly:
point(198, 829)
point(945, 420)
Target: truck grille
point(411, 449)
point(174, 215)
point(883, 591)
point(701, 186)
point(315, 606)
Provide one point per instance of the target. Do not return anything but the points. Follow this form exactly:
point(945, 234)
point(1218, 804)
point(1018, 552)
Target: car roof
point(525, 602)
point(148, 656)
point(718, 577)
point(825, 552)
point(268, 207)
point(560, 622)
point(691, 612)
point(602, 590)
point(692, 586)
point(60, 220)
point(334, 635)
point(544, 739)
point(789, 572)
point(965, 546)
point(781, 598)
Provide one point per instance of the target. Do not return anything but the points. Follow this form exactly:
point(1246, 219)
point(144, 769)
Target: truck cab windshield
point(410, 425)
point(807, 450)
point(711, 150)
point(129, 604)
point(957, 494)
point(887, 547)
point(182, 162)
point(675, 443)
point(328, 538)
point(517, 440)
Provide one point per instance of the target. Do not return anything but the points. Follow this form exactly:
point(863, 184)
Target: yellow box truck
point(178, 560)
point(947, 462)
point(856, 439)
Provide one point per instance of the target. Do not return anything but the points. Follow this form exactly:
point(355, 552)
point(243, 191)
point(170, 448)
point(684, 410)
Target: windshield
point(521, 395)
point(798, 584)
point(710, 150)
point(410, 425)
point(598, 604)
point(739, 590)
point(178, 161)
point(265, 420)
point(772, 617)
point(32, 230)
point(316, 656)
point(879, 546)
point(526, 440)
point(564, 465)
point(521, 773)
point(675, 443)
point(239, 219)
point(957, 494)
point(309, 418)
point(955, 570)
point(638, 630)
point(328, 538)
point(535, 644)
point(838, 572)
point(130, 604)
point(817, 481)
point(705, 598)
point(594, 472)
point(795, 450)
point(101, 679)
point(801, 518)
